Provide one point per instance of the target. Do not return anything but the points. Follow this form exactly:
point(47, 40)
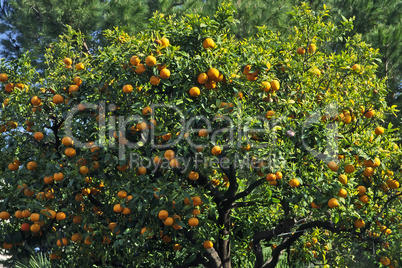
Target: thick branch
point(288, 242)
point(249, 189)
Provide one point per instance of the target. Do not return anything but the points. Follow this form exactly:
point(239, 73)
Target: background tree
point(308, 171)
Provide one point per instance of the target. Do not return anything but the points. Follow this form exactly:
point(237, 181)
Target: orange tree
point(182, 146)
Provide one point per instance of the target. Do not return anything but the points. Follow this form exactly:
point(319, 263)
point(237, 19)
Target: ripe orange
point(154, 80)
point(168, 221)
point(294, 183)
point(9, 87)
point(12, 167)
point(385, 261)
point(300, 50)
point(213, 74)
point(141, 126)
point(202, 78)
point(176, 246)
point(379, 131)
point(194, 92)
point(343, 179)
point(34, 217)
point(140, 68)
point(246, 69)
point(196, 200)
point(3, 77)
point(368, 171)
point(67, 61)
point(169, 154)
point(62, 242)
point(312, 48)
point(166, 239)
point(70, 152)
point(349, 169)
point(203, 133)
point(147, 110)
point(275, 85)
point(359, 223)
point(174, 163)
point(25, 227)
point(18, 214)
point(122, 194)
point(142, 170)
point(79, 66)
point(167, 136)
point(333, 166)
point(25, 213)
point(369, 114)
point(67, 141)
point(163, 214)
point(126, 211)
point(342, 193)
point(118, 208)
point(265, 86)
point(208, 244)
point(278, 175)
point(60, 216)
point(58, 176)
point(150, 61)
point(4, 215)
point(164, 73)
point(272, 177)
point(193, 175)
point(361, 189)
point(193, 222)
point(134, 60)
point(333, 202)
point(165, 42)
point(270, 114)
point(216, 150)
point(35, 228)
point(208, 43)
point(32, 165)
point(57, 99)
point(127, 88)
point(35, 100)
point(364, 199)
point(84, 170)
point(356, 68)
point(76, 237)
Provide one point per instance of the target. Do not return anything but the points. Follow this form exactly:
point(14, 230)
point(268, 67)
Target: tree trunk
point(224, 234)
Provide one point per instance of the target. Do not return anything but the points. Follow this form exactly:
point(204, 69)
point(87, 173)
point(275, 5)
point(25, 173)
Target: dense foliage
point(182, 145)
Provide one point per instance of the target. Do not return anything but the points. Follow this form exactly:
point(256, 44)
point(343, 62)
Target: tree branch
point(249, 189)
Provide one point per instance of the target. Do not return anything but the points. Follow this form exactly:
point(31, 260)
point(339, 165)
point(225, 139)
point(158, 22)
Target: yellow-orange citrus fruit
point(312, 48)
point(67, 61)
point(300, 50)
point(79, 66)
point(193, 222)
point(118, 208)
point(202, 78)
point(343, 179)
point(213, 74)
point(266, 86)
point(349, 169)
point(275, 85)
point(168, 221)
point(194, 92)
point(270, 114)
point(294, 183)
point(379, 131)
point(163, 214)
point(359, 223)
point(333, 166)
point(333, 202)
point(38, 136)
point(208, 43)
point(216, 150)
point(60, 216)
point(150, 61)
point(164, 73)
point(169, 154)
point(193, 175)
point(127, 88)
point(208, 244)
